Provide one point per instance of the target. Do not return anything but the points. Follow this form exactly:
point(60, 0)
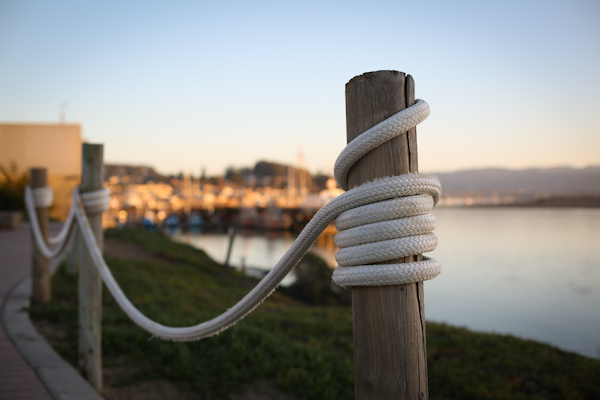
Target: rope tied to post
point(379, 220)
point(42, 196)
point(390, 229)
point(96, 201)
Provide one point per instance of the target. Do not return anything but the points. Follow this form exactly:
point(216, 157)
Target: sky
point(190, 85)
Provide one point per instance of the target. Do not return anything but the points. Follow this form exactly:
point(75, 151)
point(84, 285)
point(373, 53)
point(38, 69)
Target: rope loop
point(388, 230)
point(386, 130)
point(96, 201)
point(42, 196)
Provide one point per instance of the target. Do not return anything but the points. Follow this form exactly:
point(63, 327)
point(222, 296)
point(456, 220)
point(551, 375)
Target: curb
point(60, 378)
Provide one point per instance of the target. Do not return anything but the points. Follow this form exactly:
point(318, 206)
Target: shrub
point(12, 187)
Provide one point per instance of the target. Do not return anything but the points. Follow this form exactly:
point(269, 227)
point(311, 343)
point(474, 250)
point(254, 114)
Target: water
point(532, 273)
point(258, 251)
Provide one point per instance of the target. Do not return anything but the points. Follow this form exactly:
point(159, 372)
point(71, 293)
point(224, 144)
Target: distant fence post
point(230, 239)
point(390, 360)
point(40, 266)
point(90, 282)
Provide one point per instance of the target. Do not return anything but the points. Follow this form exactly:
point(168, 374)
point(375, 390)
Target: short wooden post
point(230, 239)
point(90, 282)
point(390, 358)
point(40, 266)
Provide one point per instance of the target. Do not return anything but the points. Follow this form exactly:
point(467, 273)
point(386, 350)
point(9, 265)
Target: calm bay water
point(532, 273)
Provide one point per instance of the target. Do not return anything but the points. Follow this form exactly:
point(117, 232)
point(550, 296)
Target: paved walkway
point(17, 379)
point(29, 368)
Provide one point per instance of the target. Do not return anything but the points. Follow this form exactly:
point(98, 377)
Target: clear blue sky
point(185, 85)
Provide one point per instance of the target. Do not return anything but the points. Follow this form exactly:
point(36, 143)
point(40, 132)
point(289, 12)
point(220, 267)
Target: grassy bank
point(303, 350)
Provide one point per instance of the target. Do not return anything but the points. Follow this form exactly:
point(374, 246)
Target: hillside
point(533, 181)
point(298, 351)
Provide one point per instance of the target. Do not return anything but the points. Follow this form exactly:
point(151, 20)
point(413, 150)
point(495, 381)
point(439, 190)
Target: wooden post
point(90, 282)
point(40, 266)
point(230, 237)
point(390, 359)
point(73, 264)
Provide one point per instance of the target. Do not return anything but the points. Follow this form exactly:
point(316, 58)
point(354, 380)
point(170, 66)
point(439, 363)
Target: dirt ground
point(161, 389)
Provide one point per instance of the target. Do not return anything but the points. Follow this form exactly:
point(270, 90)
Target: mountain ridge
point(552, 180)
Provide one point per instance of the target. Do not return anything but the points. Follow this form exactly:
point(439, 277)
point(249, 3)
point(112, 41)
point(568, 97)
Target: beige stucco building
point(56, 147)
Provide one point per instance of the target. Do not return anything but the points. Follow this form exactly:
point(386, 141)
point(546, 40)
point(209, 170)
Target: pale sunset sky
point(190, 84)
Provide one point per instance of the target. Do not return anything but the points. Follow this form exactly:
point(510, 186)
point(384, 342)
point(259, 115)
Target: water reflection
point(530, 272)
point(251, 249)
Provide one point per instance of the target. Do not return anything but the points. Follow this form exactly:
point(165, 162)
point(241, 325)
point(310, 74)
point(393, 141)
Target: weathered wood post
point(73, 264)
point(390, 359)
point(90, 282)
point(40, 265)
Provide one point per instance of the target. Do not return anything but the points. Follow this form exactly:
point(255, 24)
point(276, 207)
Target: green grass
point(306, 350)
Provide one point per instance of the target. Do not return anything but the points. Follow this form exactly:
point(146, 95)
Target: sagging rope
point(43, 197)
point(361, 209)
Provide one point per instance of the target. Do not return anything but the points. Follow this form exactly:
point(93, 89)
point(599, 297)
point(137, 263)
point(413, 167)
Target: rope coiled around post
point(386, 230)
point(42, 196)
point(372, 207)
point(96, 201)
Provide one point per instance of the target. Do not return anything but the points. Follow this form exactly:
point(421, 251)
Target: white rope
point(382, 132)
point(387, 274)
point(96, 201)
point(43, 196)
point(387, 230)
point(382, 193)
point(61, 240)
point(62, 235)
point(386, 220)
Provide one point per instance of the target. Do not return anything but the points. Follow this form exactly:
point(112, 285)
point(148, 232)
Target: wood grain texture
point(388, 321)
point(90, 282)
point(40, 265)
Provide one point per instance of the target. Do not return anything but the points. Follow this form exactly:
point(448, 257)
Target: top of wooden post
point(92, 171)
point(370, 99)
point(38, 177)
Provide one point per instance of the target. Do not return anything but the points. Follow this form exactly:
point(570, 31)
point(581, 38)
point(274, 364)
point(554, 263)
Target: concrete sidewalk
point(29, 367)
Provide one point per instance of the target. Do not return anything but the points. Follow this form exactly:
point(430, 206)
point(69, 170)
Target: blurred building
point(56, 147)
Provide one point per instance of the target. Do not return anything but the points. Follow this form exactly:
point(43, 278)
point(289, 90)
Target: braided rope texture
point(385, 230)
point(400, 227)
point(382, 132)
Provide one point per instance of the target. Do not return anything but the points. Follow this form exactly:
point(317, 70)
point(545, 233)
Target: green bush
point(12, 187)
